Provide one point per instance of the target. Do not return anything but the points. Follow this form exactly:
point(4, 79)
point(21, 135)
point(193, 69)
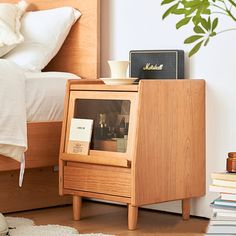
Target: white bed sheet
point(45, 94)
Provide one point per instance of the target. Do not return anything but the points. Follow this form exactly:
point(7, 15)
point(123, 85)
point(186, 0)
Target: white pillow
point(10, 35)
point(44, 33)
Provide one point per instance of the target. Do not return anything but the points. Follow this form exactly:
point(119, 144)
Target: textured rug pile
point(26, 227)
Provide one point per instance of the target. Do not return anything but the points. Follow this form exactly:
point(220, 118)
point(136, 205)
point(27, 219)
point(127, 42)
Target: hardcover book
point(221, 202)
point(220, 189)
point(223, 222)
point(223, 216)
point(80, 136)
point(228, 196)
point(221, 229)
point(224, 176)
point(223, 210)
point(224, 183)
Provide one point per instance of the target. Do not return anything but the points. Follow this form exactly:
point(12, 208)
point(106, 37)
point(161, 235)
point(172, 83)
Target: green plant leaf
point(198, 13)
point(198, 29)
point(183, 22)
point(202, 6)
point(204, 23)
point(212, 34)
point(190, 4)
point(233, 3)
point(195, 49)
point(179, 11)
point(196, 20)
point(192, 39)
point(206, 12)
point(167, 2)
point(209, 23)
point(206, 42)
point(190, 11)
point(214, 24)
point(169, 11)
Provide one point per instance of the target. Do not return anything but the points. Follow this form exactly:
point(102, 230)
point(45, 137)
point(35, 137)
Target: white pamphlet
point(80, 136)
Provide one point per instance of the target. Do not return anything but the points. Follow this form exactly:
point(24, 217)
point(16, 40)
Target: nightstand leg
point(132, 217)
point(186, 209)
point(77, 202)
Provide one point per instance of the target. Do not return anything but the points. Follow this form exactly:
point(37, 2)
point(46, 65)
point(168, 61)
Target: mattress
point(45, 94)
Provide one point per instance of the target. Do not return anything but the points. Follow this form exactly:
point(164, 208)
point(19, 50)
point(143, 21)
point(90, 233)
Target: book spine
point(220, 189)
point(228, 197)
point(224, 183)
point(224, 176)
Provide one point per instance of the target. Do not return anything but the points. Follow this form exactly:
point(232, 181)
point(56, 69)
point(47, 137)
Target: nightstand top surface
point(103, 87)
point(98, 85)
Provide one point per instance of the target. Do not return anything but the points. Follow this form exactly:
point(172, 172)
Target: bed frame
point(80, 54)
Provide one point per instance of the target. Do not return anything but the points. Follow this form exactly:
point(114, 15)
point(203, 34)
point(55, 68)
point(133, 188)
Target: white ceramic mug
point(118, 69)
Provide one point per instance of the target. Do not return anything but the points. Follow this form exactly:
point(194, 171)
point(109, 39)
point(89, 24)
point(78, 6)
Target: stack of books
point(223, 221)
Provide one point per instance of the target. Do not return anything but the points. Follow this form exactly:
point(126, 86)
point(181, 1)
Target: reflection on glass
point(111, 122)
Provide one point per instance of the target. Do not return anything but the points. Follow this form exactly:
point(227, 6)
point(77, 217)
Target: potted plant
point(202, 15)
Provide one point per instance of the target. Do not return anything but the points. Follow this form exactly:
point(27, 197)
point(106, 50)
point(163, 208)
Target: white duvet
point(13, 128)
point(43, 97)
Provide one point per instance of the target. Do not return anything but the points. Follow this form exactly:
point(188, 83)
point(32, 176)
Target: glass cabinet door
point(110, 122)
point(113, 115)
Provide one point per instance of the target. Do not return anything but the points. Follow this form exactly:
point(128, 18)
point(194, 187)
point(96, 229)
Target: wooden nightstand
point(151, 150)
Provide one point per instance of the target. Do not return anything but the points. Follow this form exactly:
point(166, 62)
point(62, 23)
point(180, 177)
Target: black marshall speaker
point(157, 64)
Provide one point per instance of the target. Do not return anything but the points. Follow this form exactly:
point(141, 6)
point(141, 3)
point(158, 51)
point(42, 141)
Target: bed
point(79, 55)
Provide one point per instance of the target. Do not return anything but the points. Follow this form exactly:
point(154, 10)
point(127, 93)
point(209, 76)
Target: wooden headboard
point(80, 54)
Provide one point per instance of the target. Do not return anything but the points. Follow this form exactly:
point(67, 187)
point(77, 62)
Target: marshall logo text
point(155, 67)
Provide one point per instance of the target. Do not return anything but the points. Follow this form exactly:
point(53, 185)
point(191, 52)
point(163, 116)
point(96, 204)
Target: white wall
point(137, 24)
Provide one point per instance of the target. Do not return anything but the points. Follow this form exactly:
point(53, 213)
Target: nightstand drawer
point(100, 179)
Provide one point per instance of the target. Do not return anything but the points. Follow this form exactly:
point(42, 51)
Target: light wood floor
point(112, 219)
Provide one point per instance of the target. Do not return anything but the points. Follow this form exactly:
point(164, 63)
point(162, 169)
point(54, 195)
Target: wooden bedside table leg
point(132, 217)
point(186, 209)
point(77, 202)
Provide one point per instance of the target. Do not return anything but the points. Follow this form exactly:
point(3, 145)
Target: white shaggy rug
point(26, 227)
